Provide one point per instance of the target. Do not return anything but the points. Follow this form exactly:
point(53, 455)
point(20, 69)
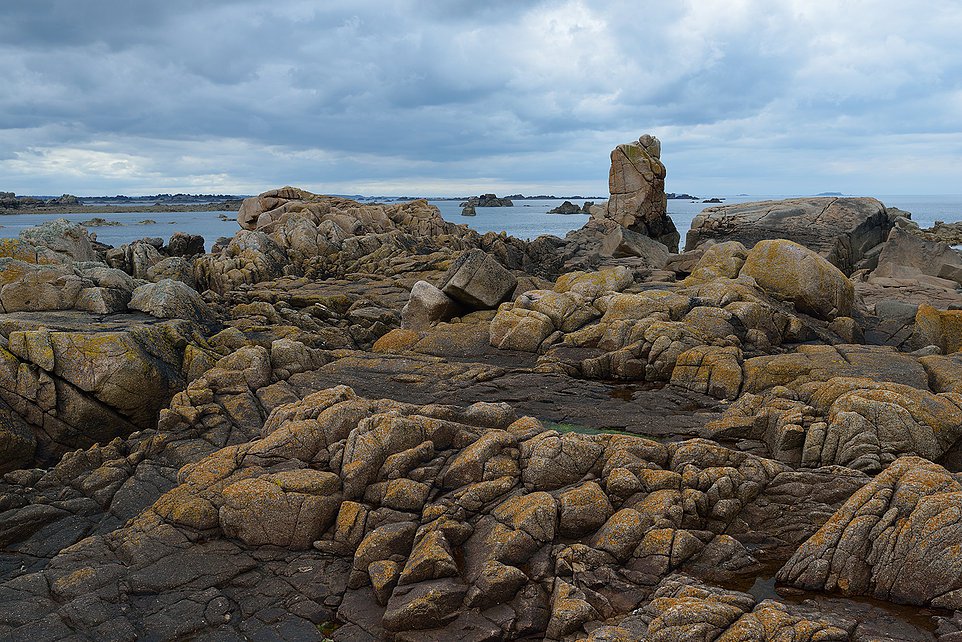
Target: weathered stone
point(519, 329)
point(637, 185)
point(17, 441)
point(709, 369)
point(289, 509)
point(186, 245)
point(59, 241)
point(791, 271)
point(477, 280)
point(426, 306)
point(895, 539)
point(942, 328)
point(583, 509)
point(906, 255)
point(841, 230)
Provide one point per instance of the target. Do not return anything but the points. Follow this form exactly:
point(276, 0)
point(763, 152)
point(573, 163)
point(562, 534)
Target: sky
point(456, 97)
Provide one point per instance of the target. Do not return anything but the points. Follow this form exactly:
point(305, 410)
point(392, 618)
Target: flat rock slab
point(657, 411)
point(840, 229)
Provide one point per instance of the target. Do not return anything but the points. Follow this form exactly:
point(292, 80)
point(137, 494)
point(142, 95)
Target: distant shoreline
point(224, 206)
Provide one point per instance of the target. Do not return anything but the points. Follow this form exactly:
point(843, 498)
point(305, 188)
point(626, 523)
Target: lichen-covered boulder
point(842, 230)
point(290, 509)
point(895, 539)
point(519, 329)
point(793, 272)
point(478, 280)
point(60, 241)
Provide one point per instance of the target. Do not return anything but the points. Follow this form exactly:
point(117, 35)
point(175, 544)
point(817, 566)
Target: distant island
point(10, 203)
point(830, 194)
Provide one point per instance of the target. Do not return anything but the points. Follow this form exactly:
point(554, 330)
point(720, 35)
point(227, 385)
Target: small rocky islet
point(361, 422)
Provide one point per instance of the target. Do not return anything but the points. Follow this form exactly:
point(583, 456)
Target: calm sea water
point(528, 219)
point(133, 227)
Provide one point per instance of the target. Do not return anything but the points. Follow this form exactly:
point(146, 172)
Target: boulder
point(478, 280)
point(169, 299)
point(289, 509)
point(636, 181)
point(602, 239)
point(92, 287)
point(468, 210)
point(136, 258)
point(182, 244)
point(790, 271)
point(520, 329)
point(83, 382)
point(842, 230)
point(177, 268)
point(60, 241)
point(908, 256)
point(896, 539)
point(426, 306)
point(942, 328)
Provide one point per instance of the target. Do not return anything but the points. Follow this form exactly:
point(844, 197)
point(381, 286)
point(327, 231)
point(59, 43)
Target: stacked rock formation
point(637, 185)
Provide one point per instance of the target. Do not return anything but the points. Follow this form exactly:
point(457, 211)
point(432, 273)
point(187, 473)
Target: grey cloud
point(529, 92)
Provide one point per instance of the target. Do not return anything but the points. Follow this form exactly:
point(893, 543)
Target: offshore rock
point(487, 200)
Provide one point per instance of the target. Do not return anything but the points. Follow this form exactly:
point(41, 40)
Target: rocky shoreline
point(362, 422)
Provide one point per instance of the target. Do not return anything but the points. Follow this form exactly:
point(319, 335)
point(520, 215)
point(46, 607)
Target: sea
point(527, 219)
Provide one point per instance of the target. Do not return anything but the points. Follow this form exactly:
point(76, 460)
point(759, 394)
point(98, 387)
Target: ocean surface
point(527, 219)
point(133, 225)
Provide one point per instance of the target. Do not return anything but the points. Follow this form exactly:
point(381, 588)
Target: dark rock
point(567, 208)
point(477, 280)
point(182, 244)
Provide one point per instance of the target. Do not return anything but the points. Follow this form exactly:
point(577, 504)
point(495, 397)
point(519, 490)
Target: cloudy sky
point(444, 97)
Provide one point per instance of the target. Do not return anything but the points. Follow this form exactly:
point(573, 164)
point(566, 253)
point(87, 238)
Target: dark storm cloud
point(451, 95)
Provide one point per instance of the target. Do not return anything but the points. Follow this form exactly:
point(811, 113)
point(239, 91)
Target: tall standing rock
point(637, 185)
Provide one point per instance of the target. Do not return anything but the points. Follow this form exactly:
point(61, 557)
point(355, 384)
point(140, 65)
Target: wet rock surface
point(361, 422)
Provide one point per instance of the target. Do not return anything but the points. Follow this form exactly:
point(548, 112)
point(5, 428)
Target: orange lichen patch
point(397, 340)
point(17, 249)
